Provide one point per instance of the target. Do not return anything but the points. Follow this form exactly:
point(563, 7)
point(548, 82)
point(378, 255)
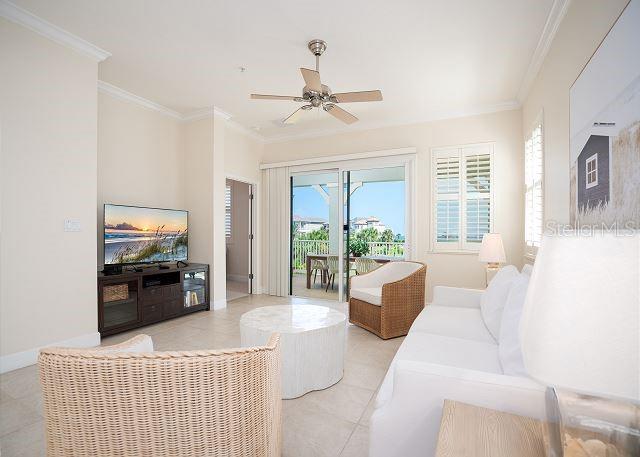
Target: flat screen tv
point(134, 235)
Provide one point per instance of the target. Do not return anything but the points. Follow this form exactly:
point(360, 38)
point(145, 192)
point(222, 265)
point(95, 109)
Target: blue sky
point(382, 199)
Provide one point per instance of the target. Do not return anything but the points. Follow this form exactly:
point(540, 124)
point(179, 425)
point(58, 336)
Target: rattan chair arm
point(97, 353)
point(392, 292)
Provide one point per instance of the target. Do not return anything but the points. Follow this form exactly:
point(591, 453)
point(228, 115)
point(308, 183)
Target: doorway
point(239, 238)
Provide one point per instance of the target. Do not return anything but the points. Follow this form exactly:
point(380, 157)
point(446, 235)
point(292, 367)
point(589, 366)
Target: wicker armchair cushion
point(387, 273)
point(371, 295)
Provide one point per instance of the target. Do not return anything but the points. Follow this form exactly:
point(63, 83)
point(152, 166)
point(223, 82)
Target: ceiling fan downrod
point(317, 47)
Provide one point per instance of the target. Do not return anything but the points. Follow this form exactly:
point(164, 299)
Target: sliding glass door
point(315, 235)
point(374, 219)
point(344, 222)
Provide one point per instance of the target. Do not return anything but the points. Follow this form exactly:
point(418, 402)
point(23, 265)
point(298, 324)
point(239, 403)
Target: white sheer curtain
point(277, 204)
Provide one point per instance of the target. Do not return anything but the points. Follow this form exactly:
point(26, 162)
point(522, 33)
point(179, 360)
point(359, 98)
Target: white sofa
point(449, 353)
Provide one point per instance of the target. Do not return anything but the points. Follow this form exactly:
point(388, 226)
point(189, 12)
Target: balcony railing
point(376, 248)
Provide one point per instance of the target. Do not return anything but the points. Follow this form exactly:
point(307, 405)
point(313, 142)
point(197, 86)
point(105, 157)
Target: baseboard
point(238, 278)
point(23, 359)
point(220, 304)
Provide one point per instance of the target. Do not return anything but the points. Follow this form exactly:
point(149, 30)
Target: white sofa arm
point(456, 296)
point(408, 424)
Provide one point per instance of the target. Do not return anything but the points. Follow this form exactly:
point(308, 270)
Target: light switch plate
point(71, 225)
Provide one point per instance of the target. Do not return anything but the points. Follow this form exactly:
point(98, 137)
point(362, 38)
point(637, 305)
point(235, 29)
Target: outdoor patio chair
point(318, 266)
point(365, 265)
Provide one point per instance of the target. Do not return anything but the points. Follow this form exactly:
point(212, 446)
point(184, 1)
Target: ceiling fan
point(316, 95)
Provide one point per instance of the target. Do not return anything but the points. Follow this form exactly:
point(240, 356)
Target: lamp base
point(490, 272)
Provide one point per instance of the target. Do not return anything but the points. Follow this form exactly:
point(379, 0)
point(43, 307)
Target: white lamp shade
point(581, 319)
point(492, 249)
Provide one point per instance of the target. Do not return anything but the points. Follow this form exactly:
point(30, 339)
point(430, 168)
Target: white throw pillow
point(494, 298)
point(509, 349)
point(527, 269)
point(139, 343)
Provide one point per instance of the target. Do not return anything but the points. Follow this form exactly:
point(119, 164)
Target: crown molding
point(437, 116)
point(128, 96)
point(122, 94)
point(556, 14)
point(215, 111)
point(246, 131)
point(206, 112)
point(20, 16)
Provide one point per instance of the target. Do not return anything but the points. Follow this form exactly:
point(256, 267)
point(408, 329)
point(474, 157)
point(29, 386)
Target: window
point(227, 214)
point(592, 171)
point(463, 197)
point(533, 200)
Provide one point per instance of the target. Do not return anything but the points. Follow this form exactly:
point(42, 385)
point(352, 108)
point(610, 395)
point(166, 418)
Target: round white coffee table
point(312, 343)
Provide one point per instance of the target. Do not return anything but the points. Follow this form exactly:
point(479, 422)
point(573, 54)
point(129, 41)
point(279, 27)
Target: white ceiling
point(430, 58)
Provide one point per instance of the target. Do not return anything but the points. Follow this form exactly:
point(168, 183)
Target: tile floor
point(331, 422)
point(317, 290)
point(236, 289)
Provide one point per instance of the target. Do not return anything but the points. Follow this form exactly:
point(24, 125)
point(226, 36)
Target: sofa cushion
point(441, 350)
point(509, 349)
point(494, 298)
point(371, 295)
point(458, 322)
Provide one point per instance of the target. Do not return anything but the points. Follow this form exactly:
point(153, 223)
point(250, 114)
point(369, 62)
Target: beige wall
point(503, 128)
point(198, 184)
point(48, 122)
point(583, 28)
point(243, 155)
point(140, 158)
point(147, 158)
point(238, 244)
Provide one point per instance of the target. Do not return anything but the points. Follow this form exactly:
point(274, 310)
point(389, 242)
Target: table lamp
point(492, 252)
point(580, 326)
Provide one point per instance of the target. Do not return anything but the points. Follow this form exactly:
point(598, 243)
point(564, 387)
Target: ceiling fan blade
point(363, 96)
point(340, 114)
point(312, 79)
point(294, 117)
point(274, 97)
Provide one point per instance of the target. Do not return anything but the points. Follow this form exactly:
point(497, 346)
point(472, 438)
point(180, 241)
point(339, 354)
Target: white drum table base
point(312, 340)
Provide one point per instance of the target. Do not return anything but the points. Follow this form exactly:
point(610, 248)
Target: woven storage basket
point(115, 292)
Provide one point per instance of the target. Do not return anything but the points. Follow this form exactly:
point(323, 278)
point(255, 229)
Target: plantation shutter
point(447, 205)
point(478, 197)
point(227, 214)
point(462, 197)
point(533, 157)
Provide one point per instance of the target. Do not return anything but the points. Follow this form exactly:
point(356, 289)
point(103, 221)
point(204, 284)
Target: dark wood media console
point(134, 299)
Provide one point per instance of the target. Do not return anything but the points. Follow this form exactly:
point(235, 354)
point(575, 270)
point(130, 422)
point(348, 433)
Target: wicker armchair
point(192, 403)
point(387, 300)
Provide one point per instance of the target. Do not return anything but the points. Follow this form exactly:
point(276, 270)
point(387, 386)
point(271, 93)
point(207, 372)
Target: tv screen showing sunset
point(142, 235)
